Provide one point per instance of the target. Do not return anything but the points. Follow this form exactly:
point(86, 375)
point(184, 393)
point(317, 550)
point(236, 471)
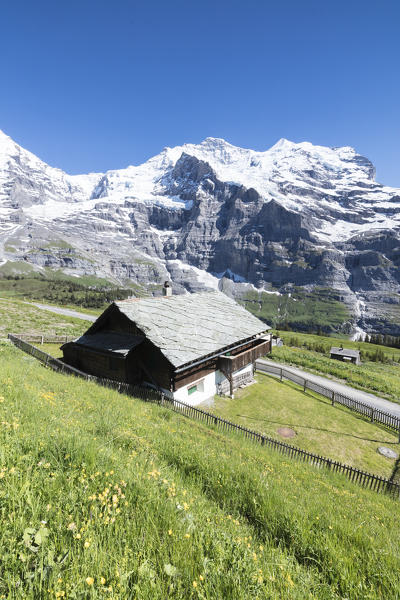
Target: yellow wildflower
point(89, 580)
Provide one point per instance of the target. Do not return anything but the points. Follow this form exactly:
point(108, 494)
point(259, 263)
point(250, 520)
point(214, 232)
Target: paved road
point(66, 311)
point(346, 390)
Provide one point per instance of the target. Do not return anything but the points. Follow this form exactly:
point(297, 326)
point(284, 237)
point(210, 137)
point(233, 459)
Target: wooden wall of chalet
point(156, 368)
point(110, 366)
point(193, 374)
point(231, 364)
point(145, 362)
point(240, 358)
point(116, 321)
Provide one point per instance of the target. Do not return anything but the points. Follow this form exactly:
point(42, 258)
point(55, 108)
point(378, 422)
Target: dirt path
point(65, 311)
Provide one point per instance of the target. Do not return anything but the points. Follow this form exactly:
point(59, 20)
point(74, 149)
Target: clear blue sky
point(94, 85)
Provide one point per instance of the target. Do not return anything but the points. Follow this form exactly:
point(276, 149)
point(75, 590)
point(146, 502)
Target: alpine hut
point(189, 346)
point(345, 355)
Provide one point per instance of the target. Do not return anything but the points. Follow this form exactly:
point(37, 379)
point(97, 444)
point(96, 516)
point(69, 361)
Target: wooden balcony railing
point(230, 364)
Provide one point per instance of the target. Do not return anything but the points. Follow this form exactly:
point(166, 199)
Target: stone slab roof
point(119, 343)
point(345, 352)
point(190, 326)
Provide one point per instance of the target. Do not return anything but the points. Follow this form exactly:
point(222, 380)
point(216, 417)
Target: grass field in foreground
point(334, 432)
point(104, 496)
point(377, 378)
point(19, 317)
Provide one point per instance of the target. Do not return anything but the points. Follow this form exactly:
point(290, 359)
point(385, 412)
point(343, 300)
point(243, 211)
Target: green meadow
point(17, 316)
point(302, 310)
point(334, 432)
point(105, 496)
point(382, 379)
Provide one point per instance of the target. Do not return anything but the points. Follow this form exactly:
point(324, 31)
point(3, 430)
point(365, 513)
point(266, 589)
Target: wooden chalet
point(345, 355)
point(190, 346)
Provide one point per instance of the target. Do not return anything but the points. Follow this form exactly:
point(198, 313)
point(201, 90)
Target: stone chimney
point(167, 289)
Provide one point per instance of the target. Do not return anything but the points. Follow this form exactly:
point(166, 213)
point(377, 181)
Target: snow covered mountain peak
point(334, 187)
point(294, 214)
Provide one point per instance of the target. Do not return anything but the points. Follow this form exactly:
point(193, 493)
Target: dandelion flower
point(102, 580)
point(195, 584)
point(86, 544)
point(89, 580)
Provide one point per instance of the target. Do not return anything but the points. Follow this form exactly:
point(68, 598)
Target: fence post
point(333, 397)
point(305, 385)
point(41, 339)
point(281, 373)
point(372, 415)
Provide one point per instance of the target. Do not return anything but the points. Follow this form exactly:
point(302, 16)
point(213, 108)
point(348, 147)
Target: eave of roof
point(110, 342)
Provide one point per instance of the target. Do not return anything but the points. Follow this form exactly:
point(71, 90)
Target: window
point(196, 387)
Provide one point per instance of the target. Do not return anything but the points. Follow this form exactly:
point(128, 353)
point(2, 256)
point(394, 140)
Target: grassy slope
point(337, 433)
point(303, 310)
point(378, 378)
point(96, 485)
point(18, 317)
point(75, 291)
point(328, 342)
point(333, 432)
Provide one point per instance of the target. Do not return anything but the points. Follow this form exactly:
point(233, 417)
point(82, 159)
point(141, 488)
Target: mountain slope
point(294, 215)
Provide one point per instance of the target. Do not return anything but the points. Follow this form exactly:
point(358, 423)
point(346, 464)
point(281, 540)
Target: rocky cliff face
point(295, 215)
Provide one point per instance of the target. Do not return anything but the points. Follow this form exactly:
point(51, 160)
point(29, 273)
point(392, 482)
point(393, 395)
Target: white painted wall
point(207, 388)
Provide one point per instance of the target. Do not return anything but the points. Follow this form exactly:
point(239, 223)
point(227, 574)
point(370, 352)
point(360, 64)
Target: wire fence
point(374, 414)
point(363, 478)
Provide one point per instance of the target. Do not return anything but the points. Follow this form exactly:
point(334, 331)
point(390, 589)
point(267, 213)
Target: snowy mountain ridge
point(295, 214)
point(300, 176)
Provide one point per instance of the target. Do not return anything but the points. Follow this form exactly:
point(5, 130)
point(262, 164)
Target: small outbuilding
point(189, 346)
point(346, 355)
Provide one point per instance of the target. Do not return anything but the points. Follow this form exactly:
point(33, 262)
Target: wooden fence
point(374, 414)
point(45, 339)
point(142, 392)
point(367, 480)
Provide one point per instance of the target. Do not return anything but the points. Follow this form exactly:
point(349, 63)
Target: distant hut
point(345, 355)
point(189, 346)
